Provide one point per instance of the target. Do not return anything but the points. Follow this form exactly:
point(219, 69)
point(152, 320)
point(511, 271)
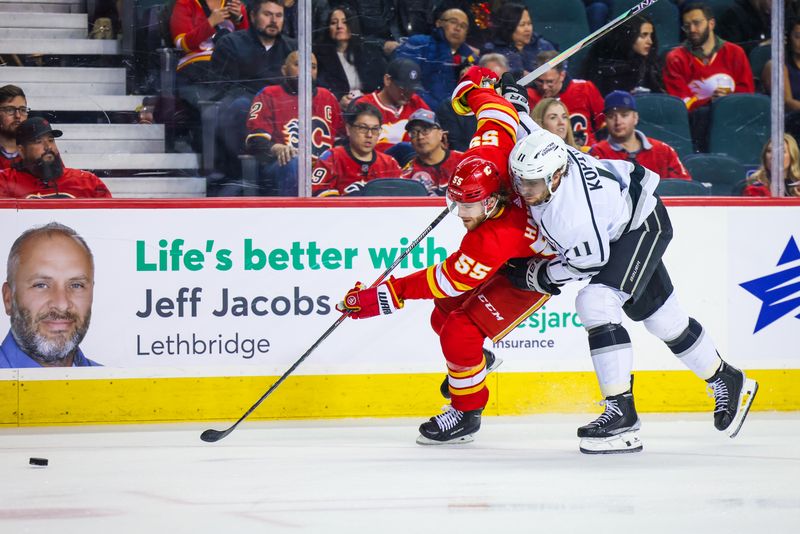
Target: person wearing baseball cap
point(627, 143)
point(41, 172)
point(397, 100)
point(434, 163)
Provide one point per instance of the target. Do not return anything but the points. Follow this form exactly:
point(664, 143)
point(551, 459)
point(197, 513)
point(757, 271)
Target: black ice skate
point(452, 426)
point(615, 431)
point(492, 363)
point(733, 394)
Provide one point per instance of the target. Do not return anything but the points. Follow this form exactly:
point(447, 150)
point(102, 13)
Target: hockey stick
point(212, 435)
point(586, 41)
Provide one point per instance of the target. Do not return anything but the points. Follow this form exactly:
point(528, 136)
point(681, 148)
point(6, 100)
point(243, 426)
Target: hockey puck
point(38, 462)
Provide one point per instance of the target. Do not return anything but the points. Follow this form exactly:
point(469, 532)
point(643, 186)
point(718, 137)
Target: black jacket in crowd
point(370, 65)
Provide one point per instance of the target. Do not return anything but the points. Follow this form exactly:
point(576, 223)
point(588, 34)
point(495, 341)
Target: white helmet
point(537, 157)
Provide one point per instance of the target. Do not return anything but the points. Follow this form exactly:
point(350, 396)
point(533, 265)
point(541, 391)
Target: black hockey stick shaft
point(212, 435)
point(586, 41)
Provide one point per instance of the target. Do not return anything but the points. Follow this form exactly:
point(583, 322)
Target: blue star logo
point(778, 292)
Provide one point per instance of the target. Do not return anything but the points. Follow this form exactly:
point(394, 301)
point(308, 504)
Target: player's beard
point(292, 83)
point(41, 347)
point(10, 131)
point(47, 171)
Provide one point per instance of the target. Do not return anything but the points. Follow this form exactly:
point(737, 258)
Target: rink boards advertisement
point(238, 290)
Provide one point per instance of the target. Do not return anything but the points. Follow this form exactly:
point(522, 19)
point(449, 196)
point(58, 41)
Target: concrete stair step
point(44, 21)
point(65, 81)
point(44, 33)
point(117, 146)
point(111, 138)
point(53, 47)
point(184, 161)
point(84, 103)
point(156, 187)
point(43, 6)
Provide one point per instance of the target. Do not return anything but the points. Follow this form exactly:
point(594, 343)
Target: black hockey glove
point(530, 274)
point(514, 93)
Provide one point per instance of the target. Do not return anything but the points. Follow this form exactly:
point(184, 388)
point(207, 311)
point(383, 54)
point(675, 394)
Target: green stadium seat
point(758, 58)
point(682, 188)
point(664, 117)
point(394, 187)
point(666, 18)
point(723, 173)
point(740, 126)
point(562, 22)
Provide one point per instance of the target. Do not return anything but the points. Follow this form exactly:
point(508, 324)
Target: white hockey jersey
point(596, 202)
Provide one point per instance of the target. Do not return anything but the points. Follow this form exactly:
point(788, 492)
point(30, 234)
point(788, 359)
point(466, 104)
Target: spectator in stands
point(582, 98)
point(440, 55)
point(461, 128)
point(628, 62)
point(13, 110)
point(434, 163)
point(597, 12)
point(41, 173)
point(196, 27)
point(552, 115)
point(348, 66)
point(378, 20)
point(627, 143)
point(344, 170)
point(703, 69)
point(273, 128)
point(791, 79)
point(397, 100)
point(48, 295)
point(760, 182)
point(746, 23)
point(319, 12)
point(513, 36)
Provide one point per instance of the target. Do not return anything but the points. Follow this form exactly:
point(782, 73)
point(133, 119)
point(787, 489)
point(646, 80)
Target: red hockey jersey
point(585, 105)
point(338, 172)
point(7, 162)
point(274, 116)
point(655, 155)
point(434, 177)
point(191, 32)
point(393, 129)
point(74, 183)
point(693, 81)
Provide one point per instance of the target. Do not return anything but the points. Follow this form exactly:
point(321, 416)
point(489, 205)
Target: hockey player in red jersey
point(470, 302)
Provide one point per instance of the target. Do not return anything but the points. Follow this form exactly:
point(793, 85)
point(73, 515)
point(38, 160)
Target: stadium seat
point(723, 173)
point(740, 125)
point(664, 117)
point(561, 22)
point(682, 188)
point(394, 187)
point(758, 58)
point(665, 16)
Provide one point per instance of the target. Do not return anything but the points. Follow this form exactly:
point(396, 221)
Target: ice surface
point(522, 474)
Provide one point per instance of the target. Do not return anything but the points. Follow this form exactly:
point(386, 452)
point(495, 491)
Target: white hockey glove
point(530, 274)
point(515, 93)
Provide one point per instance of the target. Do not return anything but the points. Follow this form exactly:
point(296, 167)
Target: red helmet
point(474, 179)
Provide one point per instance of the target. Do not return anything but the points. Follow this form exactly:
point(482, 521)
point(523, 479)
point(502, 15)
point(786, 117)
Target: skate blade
point(620, 444)
point(748, 393)
point(495, 365)
point(422, 440)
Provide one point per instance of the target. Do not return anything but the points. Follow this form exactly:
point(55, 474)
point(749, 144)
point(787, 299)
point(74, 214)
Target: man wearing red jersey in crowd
point(397, 100)
point(344, 170)
point(41, 173)
point(581, 97)
point(273, 128)
point(470, 302)
point(703, 69)
point(13, 110)
point(434, 163)
point(626, 142)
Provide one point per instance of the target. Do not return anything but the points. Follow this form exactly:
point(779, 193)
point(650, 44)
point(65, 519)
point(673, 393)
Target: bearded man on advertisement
point(48, 296)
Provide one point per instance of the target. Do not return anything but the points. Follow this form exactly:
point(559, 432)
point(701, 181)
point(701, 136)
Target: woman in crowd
point(513, 36)
point(759, 183)
point(348, 66)
point(552, 115)
point(628, 62)
point(791, 79)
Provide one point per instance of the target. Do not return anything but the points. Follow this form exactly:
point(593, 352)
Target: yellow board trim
point(141, 400)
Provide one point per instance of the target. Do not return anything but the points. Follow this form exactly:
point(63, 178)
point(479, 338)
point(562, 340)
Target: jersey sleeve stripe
point(444, 283)
point(265, 135)
point(430, 276)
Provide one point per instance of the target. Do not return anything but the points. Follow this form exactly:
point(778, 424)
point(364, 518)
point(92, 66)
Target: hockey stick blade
point(586, 41)
point(212, 436)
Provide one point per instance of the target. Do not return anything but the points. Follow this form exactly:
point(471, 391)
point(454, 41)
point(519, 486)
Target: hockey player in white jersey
point(608, 225)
